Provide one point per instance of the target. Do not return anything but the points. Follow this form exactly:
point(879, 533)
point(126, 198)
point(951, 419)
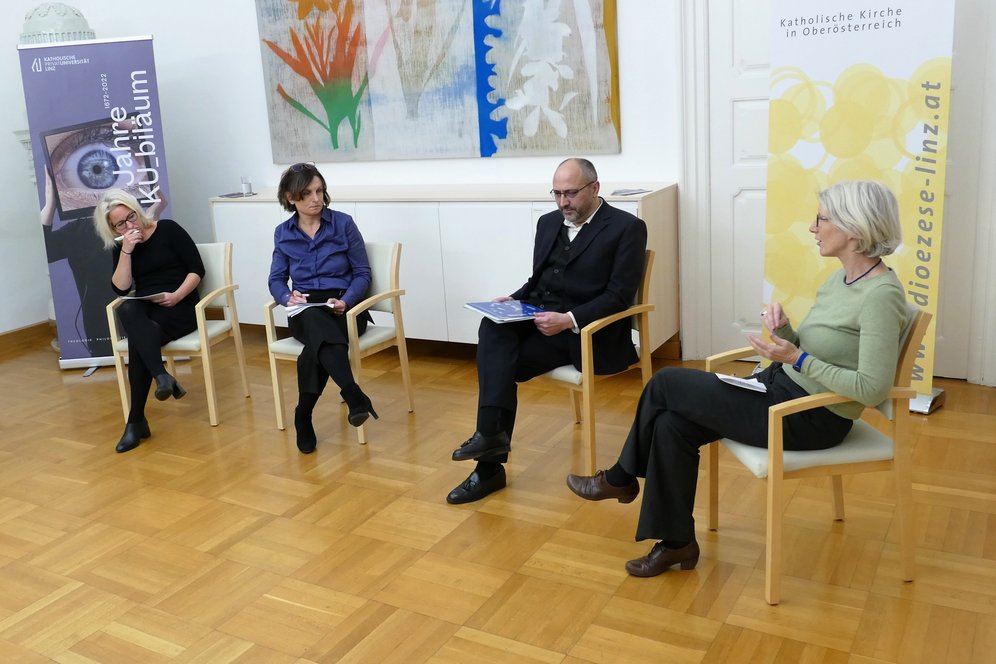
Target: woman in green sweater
point(848, 343)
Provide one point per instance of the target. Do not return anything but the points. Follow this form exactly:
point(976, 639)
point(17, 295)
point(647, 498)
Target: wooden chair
point(384, 295)
point(877, 441)
point(581, 383)
point(217, 292)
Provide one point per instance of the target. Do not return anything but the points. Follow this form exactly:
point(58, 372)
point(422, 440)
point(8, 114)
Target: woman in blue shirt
point(322, 253)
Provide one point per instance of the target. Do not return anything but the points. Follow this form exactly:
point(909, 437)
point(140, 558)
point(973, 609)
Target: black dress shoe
point(474, 488)
point(166, 387)
point(596, 487)
point(479, 445)
point(360, 407)
point(133, 434)
point(307, 440)
point(661, 558)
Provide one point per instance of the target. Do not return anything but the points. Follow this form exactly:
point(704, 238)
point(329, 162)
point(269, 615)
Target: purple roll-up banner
point(93, 116)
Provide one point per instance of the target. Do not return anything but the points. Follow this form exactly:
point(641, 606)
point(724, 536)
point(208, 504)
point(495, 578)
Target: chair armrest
point(728, 356)
point(779, 411)
point(596, 325)
point(362, 306)
point(112, 319)
point(828, 399)
point(271, 328)
point(206, 300)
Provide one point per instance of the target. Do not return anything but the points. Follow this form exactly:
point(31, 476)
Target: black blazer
point(601, 278)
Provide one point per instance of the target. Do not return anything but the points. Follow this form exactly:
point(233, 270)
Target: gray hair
point(867, 211)
point(110, 200)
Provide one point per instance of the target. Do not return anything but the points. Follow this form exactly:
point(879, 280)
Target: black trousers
point(682, 409)
point(149, 327)
point(318, 326)
point(510, 353)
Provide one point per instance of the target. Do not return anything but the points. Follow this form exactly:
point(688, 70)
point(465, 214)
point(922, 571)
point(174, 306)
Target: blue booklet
point(504, 312)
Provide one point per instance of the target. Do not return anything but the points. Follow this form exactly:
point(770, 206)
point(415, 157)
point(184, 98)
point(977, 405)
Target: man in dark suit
point(587, 264)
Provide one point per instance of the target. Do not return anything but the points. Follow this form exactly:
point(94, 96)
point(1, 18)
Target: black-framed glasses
point(820, 218)
point(130, 219)
point(569, 194)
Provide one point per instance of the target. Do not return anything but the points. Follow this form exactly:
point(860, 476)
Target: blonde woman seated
point(155, 258)
point(848, 343)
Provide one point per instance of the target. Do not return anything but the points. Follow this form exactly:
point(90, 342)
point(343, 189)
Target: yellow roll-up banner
point(859, 91)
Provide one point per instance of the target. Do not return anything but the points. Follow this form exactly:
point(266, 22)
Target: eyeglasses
point(820, 218)
point(303, 166)
point(130, 219)
point(569, 194)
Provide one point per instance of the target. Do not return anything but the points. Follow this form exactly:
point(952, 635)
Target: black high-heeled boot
point(307, 439)
point(166, 387)
point(359, 405)
point(133, 434)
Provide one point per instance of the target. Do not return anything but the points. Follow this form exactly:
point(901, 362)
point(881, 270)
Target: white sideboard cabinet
point(460, 243)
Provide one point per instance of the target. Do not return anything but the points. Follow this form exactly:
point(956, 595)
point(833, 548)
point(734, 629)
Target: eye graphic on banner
point(83, 165)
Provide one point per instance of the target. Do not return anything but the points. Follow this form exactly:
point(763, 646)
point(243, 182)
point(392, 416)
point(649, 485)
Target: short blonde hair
point(111, 199)
point(867, 211)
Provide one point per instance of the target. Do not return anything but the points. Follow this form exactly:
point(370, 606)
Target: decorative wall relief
point(350, 80)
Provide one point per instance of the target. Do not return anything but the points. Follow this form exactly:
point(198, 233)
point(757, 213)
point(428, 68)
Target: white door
point(739, 56)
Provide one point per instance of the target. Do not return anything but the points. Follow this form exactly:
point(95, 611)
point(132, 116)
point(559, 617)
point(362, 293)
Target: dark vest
point(549, 290)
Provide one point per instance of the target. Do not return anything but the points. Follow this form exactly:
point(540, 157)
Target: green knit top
point(852, 335)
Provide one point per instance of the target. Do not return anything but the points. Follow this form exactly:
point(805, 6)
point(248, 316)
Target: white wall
point(215, 126)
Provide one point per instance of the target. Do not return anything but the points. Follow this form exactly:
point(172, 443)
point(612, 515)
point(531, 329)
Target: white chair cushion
point(565, 374)
point(863, 443)
point(189, 343)
point(374, 335)
point(288, 346)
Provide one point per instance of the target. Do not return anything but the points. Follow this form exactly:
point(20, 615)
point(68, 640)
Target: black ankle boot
point(133, 434)
point(359, 404)
point(307, 440)
point(166, 387)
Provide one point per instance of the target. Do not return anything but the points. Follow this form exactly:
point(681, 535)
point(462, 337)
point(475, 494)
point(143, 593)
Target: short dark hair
point(587, 168)
point(295, 180)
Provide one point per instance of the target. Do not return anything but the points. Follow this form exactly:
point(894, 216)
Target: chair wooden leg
point(773, 542)
point(171, 365)
point(902, 475)
point(838, 497)
point(212, 397)
point(123, 387)
point(240, 355)
point(712, 451)
point(588, 427)
point(406, 376)
point(576, 404)
point(278, 392)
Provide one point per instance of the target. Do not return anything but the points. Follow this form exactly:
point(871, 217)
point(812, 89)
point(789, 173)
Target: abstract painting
point(361, 80)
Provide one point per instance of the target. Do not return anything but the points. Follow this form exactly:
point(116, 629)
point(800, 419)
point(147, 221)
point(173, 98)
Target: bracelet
point(126, 253)
point(798, 363)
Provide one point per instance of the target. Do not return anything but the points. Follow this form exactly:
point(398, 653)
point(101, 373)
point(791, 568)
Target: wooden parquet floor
point(224, 544)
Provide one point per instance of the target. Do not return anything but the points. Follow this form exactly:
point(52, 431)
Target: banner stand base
point(928, 403)
point(87, 362)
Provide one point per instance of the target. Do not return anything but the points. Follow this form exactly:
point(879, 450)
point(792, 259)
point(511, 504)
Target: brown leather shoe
point(661, 558)
point(596, 487)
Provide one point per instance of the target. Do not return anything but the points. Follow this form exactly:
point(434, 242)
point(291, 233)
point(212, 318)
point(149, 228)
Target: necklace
point(877, 263)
